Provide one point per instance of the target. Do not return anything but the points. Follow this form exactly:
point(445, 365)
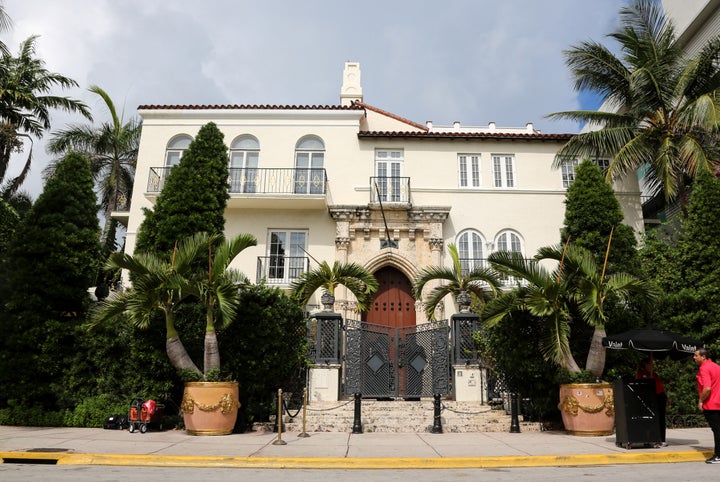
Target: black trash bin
point(636, 413)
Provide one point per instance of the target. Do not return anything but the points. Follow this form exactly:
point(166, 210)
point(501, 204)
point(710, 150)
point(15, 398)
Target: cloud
point(466, 60)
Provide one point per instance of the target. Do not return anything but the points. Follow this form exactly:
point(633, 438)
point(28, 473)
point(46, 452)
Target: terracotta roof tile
point(389, 114)
point(248, 107)
point(469, 135)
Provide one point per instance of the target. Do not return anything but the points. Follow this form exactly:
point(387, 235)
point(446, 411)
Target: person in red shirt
point(708, 383)
point(645, 370)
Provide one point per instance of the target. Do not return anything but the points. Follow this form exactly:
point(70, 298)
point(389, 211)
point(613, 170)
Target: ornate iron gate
point(409, 362)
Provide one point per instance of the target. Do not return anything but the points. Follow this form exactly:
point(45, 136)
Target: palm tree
point(577, 285)
point(544, 295)
point(352, 276)
point(217, 288)
point(161, 286)
point(474, 281)
point(666, 105)
point(111, 148)
point(25, 104)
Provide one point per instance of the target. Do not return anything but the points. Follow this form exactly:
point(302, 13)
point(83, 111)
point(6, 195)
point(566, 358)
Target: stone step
point(400, 416)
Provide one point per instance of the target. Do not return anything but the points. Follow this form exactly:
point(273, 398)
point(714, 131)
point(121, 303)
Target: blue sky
point(473, 61)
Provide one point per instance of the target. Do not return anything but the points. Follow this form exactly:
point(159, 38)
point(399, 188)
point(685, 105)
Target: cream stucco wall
point(344, 225)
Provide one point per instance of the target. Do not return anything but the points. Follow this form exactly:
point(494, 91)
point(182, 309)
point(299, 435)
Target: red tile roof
point(389, 114)
point(249, 107)
point(470, 135)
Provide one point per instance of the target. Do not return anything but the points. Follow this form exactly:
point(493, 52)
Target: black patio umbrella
point(658, 343)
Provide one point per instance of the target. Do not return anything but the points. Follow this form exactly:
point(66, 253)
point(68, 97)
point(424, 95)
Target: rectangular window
point(504, 170)
point(388, 170)
point(469, 170)
point(286, 259)
point(568, 172)
point(603, 164)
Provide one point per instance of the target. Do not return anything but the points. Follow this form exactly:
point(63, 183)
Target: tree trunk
point(596, 355)
point(179, 357)
point(212, 352)
point(570, 364)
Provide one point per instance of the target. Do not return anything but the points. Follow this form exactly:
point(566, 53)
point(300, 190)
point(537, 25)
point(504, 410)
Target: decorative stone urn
point(210, 408)
point(587, 408)
point(327, 299)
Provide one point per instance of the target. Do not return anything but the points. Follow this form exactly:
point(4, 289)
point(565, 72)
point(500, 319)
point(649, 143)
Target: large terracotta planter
point(587, 408)
point(210, 408)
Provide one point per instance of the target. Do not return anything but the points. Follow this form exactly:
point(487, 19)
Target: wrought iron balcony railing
point(390, 190)
point(469, 264)
point(281, 270)
point(259, 180)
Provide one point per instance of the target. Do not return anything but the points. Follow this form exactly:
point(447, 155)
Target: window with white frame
point(388, 172)
point(568, 169)
point(244, 158)
point(470, 251)
point(508, 241)
point(287, 258)
point(310, 166)
point(503, 170)
point(469, 170)
point(568, 172)
point(175, 149)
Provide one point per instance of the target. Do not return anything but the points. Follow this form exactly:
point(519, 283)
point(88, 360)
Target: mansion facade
point(354, 183)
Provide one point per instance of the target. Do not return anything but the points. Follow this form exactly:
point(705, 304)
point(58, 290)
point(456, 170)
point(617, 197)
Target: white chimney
point(456, 125)
point(529, 127)
point(351, 89)
point(428, 124)
point(491, 126)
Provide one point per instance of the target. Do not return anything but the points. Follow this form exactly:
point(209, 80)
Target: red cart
point(142, 414)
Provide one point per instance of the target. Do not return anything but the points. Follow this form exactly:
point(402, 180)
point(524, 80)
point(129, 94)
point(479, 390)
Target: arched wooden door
point(394, 305)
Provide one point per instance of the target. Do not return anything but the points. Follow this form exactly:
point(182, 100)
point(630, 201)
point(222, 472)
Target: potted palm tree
point(577, 285)
point(198, 270)
point(479, 283)
point(361, 283)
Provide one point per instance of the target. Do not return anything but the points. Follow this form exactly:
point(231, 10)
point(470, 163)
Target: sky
point(473, 61)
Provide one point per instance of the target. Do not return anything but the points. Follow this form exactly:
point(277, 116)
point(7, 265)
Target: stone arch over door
point(393, 304)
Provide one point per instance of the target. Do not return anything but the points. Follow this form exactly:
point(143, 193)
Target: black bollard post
point(514, 421)
point(437, 423)
point(357, 423)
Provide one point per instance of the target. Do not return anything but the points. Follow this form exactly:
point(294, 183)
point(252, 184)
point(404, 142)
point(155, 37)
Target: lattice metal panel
point(424, 360)
point(369, 361)
point(324, 338)
point(410, 362)
point(464, 348)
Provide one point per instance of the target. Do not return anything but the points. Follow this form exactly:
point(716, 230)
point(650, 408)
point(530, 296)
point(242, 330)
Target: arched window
point(175, 149)
point(509, 241)
point(244, 158)
point(309, 166)
point(470, 250)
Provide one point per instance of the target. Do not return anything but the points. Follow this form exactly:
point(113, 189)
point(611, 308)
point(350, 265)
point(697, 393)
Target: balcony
point(391, 191)
point(121, 208)
point(506, 281)
point(252, 187)
point(280, 270)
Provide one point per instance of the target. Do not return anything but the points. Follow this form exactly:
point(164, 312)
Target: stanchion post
point(437, 422)
point(357, 423)
point(279, 440)
point(304, 434)
point(514, 421)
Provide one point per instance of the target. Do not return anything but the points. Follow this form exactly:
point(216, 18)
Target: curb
point(64, 458)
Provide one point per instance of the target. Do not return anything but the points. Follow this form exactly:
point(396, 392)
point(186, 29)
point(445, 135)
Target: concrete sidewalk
point(86, 446)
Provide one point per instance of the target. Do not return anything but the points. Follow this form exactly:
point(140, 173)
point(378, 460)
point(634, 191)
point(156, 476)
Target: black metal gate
point(408, 362)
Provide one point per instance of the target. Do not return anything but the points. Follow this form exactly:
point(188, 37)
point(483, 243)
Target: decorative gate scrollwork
point(409, 362)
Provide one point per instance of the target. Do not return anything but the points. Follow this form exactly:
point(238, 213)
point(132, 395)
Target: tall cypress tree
point(591, 212)
point(194, 196)
point(53, 258)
